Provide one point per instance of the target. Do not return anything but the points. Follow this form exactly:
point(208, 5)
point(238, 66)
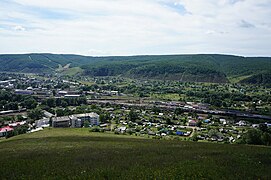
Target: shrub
point(95, 129)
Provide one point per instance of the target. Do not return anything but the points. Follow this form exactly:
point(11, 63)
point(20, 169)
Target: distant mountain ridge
point(197, 68)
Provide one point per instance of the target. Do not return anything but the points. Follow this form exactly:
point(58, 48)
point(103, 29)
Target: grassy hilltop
point(193, 68)
point(77, 153)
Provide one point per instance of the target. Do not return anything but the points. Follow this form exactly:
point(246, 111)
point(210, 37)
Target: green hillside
point(79, 154)
point(39, 63)
point(185, 68)
point(196, 68)
point(262, 78)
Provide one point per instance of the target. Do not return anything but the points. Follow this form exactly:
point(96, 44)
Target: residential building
point(5, 130)
point(42, 122)
point(48, 114)
point(192, 123)
point(62, 93)
point(23, 92)
point(76, 122)
point(92, 118)
point(72, 96)
point(63, 121)
point(241, 123)
point(15, 124)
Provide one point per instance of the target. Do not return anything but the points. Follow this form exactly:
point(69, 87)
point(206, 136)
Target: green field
point(79, 154)
point(72, 71)
point(173, 96)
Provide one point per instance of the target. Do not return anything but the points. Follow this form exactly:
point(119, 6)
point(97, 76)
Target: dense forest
point(194, 68)
point(261, 79)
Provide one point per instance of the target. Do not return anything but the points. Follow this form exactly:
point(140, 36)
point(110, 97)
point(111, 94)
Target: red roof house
point(5, 130)
point(192, 122)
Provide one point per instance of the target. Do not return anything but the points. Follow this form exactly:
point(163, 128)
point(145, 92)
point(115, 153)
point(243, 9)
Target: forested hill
point(39, 63)
point(200, 68)
point(262, 78)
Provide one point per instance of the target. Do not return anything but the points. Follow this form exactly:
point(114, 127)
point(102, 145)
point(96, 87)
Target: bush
point(194, 137)
point(95, 129)
point(257, 137)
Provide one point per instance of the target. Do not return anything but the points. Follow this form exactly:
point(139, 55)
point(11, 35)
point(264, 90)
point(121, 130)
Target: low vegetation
point(78, 153)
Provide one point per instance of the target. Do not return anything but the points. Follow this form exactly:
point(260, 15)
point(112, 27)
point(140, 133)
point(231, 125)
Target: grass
point(78, 154)
point(72, 71)
point(236, 79)
point(173, 96)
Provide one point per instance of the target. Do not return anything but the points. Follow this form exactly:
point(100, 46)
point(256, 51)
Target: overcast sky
point(132, 27)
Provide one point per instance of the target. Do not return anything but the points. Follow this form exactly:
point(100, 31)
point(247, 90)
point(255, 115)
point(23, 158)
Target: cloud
point(19, 28)
point(127, 27)
point(245, 24)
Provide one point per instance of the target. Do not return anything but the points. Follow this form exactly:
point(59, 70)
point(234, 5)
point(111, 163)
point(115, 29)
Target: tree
point(142, 94)
point(86, 124)
point(62, 112)
point(194, 137)
point(30, 103)
point(21, 129)
point(133, 116)
point(168, 121)
point(156, 109)
point(210, 116)
point(104, 117)
point(193, 114)
point(20, 118)
point(253, 136)
point(51, 102)
point(252, 106)
point(35, 114)
point(213, 133)
point(263, 127)
point(199, 123)
point(93, 106)
point(54, 92)
point(266, 138)
point(178, 111)
point(64, 103)
point(12, 106)
point(51, 121)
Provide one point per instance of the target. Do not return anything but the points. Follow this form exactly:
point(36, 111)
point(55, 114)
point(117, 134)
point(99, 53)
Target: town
point(33, 102)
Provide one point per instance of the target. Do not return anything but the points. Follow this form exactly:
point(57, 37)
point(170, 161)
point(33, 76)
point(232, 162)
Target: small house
point(122, 129)
point(151, 133)
point(192, 123)
point(5, 131)
point(23, 92)
point(255, 125)
point(223, 121)
point(207, 121)
point(241, 123)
